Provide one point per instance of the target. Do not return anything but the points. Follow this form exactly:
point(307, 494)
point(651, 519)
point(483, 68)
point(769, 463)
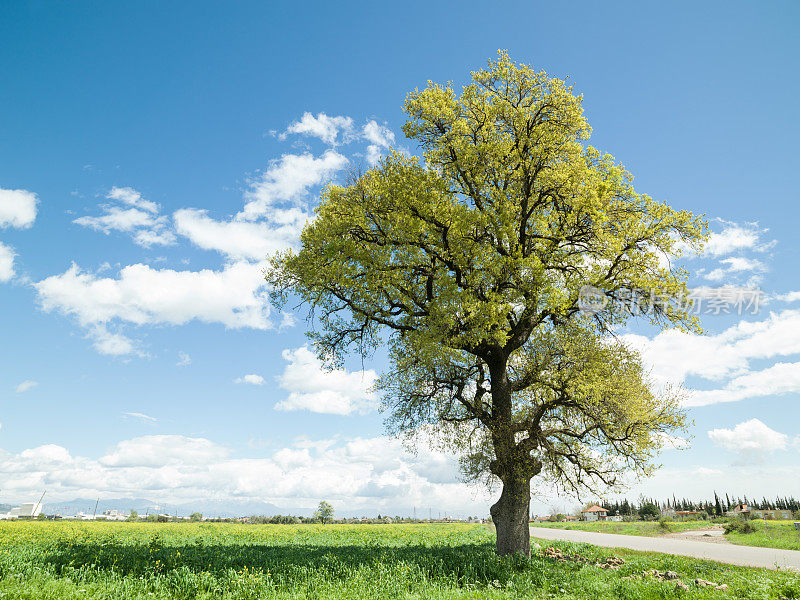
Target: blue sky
point(150, 155)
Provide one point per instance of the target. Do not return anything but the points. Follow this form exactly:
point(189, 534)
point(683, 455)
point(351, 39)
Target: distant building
point(594, 513)
point(28, 510)
point(772, 515)
point(112, 515)
point(740, 510)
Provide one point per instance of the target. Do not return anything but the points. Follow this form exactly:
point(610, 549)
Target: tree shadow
point(461, 563)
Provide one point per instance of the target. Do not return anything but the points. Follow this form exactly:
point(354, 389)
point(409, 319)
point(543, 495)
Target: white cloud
point(138, 218)
point(780, 378)
point(751, 440)
point(672, 356)
point(17, 208)
point(118, 219)
point(6, 263)
point(789, 297)
point(162, 450)
point(235, 296)
point(369, 473)
point(142, 416)
point(252, 379)
point(736, 237)
point(380, 138)
point(184, 360)
point(288, 179)
point(26, 385)
point(738, 263)
point(705, 472)
point(316, 389)
point(131, 197)
point(276, 209)
point(242, 239)
point(111, 344)
point(322, 126)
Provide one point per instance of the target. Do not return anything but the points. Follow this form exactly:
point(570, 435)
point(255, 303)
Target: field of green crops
point(55, 560)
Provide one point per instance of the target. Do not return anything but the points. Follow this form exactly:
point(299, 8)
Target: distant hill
point(209, 508)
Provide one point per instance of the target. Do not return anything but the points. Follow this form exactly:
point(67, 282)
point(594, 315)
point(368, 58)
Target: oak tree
point(471, 264)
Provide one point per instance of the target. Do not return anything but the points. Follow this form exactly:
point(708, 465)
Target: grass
point(63, 560)
point(642, 528)
point(768, 534)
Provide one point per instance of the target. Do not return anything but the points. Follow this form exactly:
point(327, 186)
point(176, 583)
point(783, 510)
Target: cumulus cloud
point(252, 379)
point(109, 343)
point(358, 473)
point(6, 263)
point(234, 296)
point(736, 265)
point(17, 208)
point(131, 197)
point(673, 356)
point(316, 389)
point(278, 203)
point(137, 217)
point(242, 240)
point(737, 237)
point(778, 379)
point(321, 126)
point(751, 440)
point(163, 450)
point(26, 385)
point(184, 360)
point(276, 209)
point(789, 297)
point(380, 138)
point(288, 179)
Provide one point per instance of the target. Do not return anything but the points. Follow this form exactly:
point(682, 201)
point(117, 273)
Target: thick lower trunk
point(510, 515)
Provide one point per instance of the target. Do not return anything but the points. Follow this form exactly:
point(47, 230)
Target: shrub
point(739, 526)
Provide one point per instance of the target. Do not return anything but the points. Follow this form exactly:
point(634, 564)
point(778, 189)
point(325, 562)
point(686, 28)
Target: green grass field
point(643, 528)
point(768, 534)
point(64, 560)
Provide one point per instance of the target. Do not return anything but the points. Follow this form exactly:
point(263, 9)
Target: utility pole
point(95, 509)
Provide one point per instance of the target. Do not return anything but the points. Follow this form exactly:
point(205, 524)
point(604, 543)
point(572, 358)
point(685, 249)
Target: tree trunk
point(510, 515)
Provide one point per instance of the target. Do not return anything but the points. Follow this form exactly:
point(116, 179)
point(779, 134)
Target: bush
point(739, 526)
point(664, 524)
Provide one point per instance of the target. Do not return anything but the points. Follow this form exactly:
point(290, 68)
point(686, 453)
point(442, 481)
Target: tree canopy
point(469, 264)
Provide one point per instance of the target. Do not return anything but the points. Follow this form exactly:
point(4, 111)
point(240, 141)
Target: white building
point(594, 513)
point(28, 510)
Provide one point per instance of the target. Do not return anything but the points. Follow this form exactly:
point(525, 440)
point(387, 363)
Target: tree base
point(510, 516)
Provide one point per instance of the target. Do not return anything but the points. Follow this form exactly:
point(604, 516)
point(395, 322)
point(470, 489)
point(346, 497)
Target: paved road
point(747, 556)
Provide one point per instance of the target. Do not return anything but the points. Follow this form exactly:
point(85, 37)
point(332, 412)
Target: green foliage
point(742, 526)
point(649, 511)
point(470, 263)
point(664, 524)
point(196, 517)
point(201, 561)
